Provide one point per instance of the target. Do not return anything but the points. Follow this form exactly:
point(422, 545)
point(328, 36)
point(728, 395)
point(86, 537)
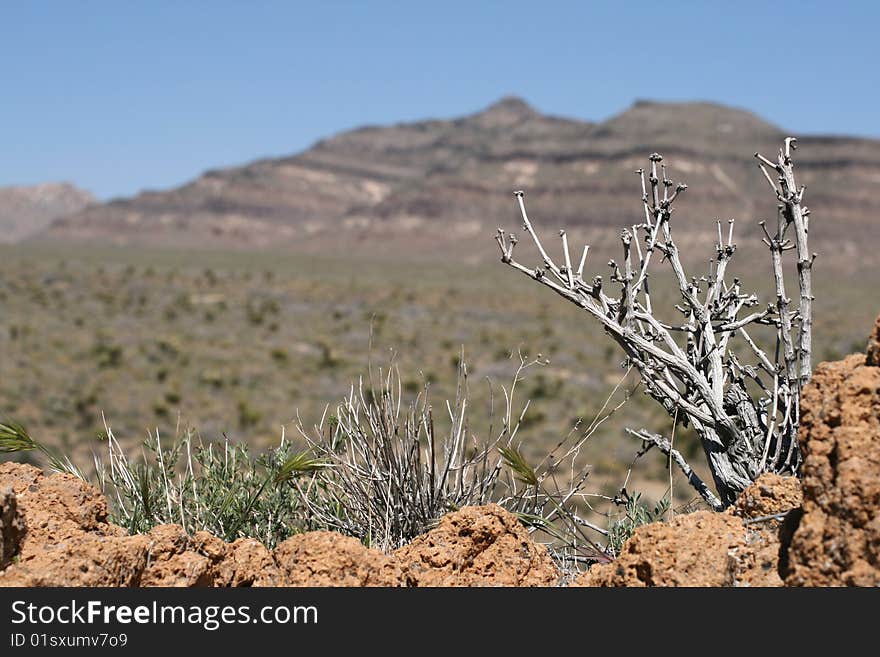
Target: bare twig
point(665, 446)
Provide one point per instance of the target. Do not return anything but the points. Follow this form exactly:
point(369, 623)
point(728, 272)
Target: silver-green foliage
point(635, 514)
point(216, 487)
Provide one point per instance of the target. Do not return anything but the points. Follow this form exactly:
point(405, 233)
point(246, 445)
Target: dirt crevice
point(11, 527)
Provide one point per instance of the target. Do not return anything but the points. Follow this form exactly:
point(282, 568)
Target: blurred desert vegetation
point(241, 344)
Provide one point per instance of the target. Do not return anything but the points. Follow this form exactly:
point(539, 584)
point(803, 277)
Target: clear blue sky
point(118, 96)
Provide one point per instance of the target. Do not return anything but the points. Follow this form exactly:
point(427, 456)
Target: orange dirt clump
point(770, 494)
point(56, 533)
point(247, 563)
point(331, 559)
point(477, 546)
point(55, 507)
point(837, 541)
point(83, 560)
point(67, 539)
point(177, 559)
point(707, 548)
point(698, 549)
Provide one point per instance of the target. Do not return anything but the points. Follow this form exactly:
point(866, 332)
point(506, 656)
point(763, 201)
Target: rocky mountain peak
point(507, 110)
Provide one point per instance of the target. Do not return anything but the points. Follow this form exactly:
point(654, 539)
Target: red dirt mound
point(698, 549)
point(176, 559)
point(769, 495)
point(837, 541)
point(739, 548)
point(331, 559)
point(477, 546)
point(67, 539)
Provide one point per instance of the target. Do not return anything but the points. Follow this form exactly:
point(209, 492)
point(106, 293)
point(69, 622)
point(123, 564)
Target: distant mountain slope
point(28, 210)
point(433, 185)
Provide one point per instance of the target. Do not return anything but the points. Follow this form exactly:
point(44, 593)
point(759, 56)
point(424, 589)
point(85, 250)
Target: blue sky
point(122, 96)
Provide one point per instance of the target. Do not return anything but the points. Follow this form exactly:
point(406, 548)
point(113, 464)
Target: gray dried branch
point(661, 443)
point(697, 370)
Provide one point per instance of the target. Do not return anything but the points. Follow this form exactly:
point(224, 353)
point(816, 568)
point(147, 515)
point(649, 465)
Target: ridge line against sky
point(118, 97)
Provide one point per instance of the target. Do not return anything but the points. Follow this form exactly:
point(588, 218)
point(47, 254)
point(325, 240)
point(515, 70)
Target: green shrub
point(248, 416)
point(216, 487)
point(635, 514)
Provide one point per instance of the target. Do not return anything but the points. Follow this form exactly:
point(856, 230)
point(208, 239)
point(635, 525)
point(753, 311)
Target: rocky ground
point(68, 541)
point(54, 529)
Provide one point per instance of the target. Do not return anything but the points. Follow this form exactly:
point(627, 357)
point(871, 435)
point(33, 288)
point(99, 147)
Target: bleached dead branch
point(706, 371)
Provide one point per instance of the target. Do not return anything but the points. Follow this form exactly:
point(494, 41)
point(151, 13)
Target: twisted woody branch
point(708, 371)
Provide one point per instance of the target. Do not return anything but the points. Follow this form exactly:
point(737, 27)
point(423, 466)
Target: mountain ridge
point(428, 185)
point(27, 210)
